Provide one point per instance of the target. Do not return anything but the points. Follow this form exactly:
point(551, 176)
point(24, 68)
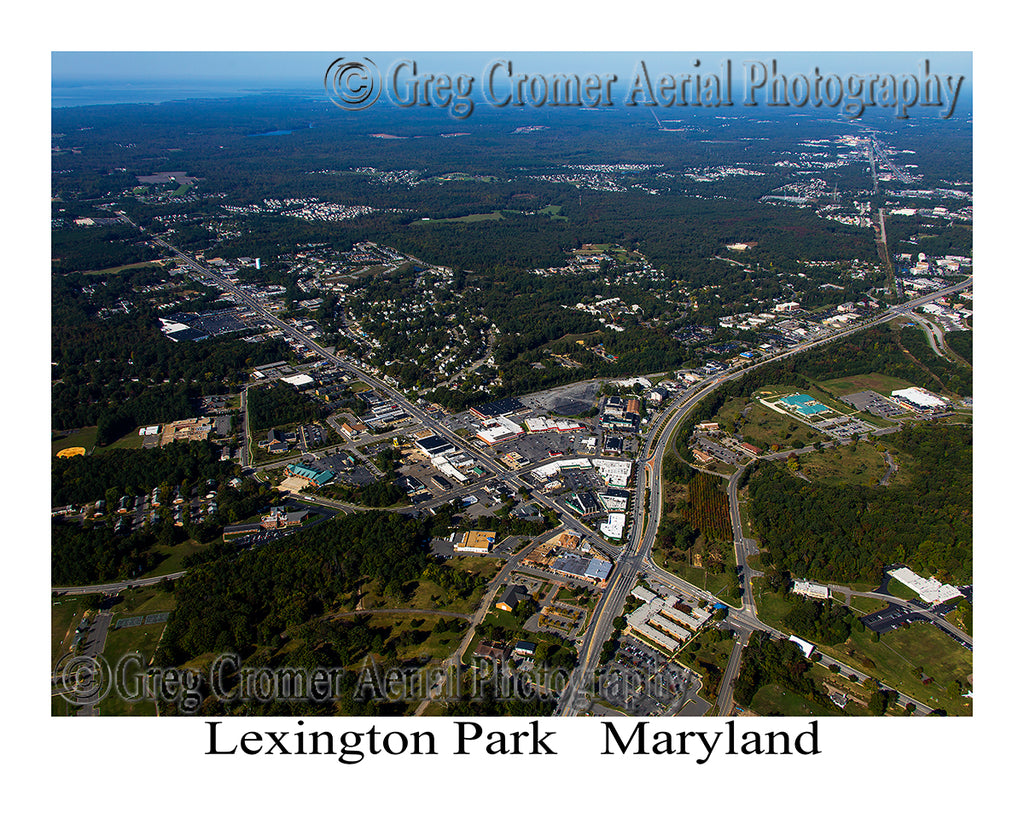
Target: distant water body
point(69, 95)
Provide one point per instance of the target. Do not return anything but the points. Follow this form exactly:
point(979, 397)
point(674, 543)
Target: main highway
point(635, 555)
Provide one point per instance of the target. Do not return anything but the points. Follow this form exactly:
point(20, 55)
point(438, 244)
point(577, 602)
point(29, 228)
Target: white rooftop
point(931, 590)
point(920, 397)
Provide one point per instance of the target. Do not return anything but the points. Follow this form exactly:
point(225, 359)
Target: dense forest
point(848, 533)
point(765, 661)
point(121, 372)
point(237, 604)
point(280, 404)
point(87, 554)
point(134, 471)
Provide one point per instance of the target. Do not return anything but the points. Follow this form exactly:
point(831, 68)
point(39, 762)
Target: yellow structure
point(479, 543)
point(71, 452)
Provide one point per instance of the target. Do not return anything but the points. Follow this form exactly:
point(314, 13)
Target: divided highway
point(635, 554)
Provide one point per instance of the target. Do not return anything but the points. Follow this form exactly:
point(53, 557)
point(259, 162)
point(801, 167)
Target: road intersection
point(635, 555)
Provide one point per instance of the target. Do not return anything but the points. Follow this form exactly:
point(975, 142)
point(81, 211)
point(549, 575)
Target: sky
point(295, 69)
point(86, 78)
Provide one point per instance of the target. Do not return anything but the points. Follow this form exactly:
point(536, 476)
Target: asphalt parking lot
point(891, 618)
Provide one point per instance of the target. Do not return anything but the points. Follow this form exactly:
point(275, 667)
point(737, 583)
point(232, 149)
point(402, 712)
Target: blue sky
point(306, 69)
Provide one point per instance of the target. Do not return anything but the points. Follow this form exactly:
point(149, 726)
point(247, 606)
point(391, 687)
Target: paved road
point(937, 619)
point(636, 552)
point(342, 614)
point(117, 586)
point(454, 662)
point(723, 704)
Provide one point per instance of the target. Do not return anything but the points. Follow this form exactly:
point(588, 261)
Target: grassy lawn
point(867, 605)
point(956, 618)
point(130, 441)
point(146, 600)
point(858, 464)
point(476, 564)
point(882, 384)
point(893, 660)
point(85, 437)
point(65, 615)
point(771, 607)
point(421, 594)
point(122, 641)
point(425, 642)
point(897, 589)
point(358, 386)
point(748, 529)
point(774, 699)
point(472, 217)
point(497, 617)
point(709, 645)
point(555, 212)
point(111, 271)
point(723, 585)
point(172, 557)
point(142, 639)
point(764, 427)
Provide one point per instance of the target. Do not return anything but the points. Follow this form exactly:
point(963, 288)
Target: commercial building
point(918, 400)
point(811, 590)
point(614, 473)
point(930, 590)
point(614, 527)
point(499, 428)
point(479, 543)
point(491, 651)
point(432, 445)
point(279, 517)
point(511, 597)
point(805, 647)
point(545, 424)
point(316, 477)
point(298, 380)
point(574, 565)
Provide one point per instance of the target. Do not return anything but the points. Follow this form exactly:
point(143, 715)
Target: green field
point(894, 658)
point(771, 607)
point(861, 464)
point(764, 427)
point(142, 639)
point(867, 605)
point(897, 589)
point(84, 437)
point(426, 594)
point(458, 176)
point(65, 615)
point(774, 699)
point(130, 441)
point(882, 384)
point(555, 212)
point(493, 216)
point(710, 645)
point(426, 643)
point(172, 557)
point(112, 271)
